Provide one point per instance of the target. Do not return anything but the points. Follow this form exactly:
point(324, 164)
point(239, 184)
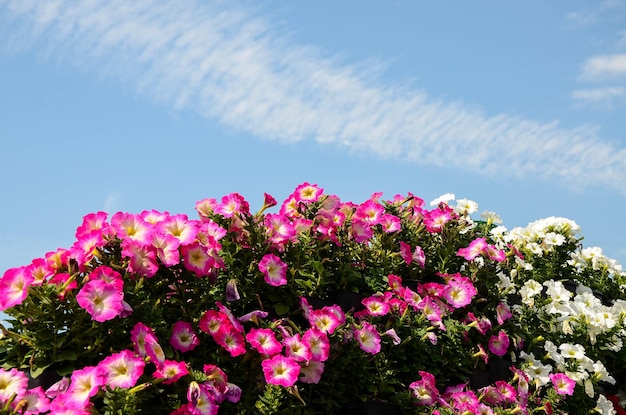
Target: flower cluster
point(320, 307)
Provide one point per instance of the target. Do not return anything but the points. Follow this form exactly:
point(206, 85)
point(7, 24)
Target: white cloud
point(111, 202)
point(604, 67)
point(229, 64)
point(599, 94)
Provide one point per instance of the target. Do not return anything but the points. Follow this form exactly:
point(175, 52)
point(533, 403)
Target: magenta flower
point(213, 321)
point(264, 341)
point(475, 248)
point(143, 259)
point(197, 259)
point(368, 338)
point(132, 227)
point(231, 340)
point(103, 301)
point(201, 400)
point(311, 372)
point(184, 338)
point(326, 319)
point(14, 287)
point(274, 270)
point(376, 305)
point(166, 246)
point(425, 390)
point(435, 219)
point(279, 228)
point(499, 344)
point(121, 370)
point(281, 370)
point(84, 384)
point(171, 371)
point(563, 384)
point(180, 227)
point(297, 349)
point(307, 193)
point(503, 313)
point(36, 401)
point(318, 343)
point(93, 222)
point(140, 335)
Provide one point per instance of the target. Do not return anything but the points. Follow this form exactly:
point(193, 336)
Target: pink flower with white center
point(171, 371)
point(274, 270)
point(107, 275)
point(231, 340)
point(140, 335)
point(264, 341)
point(506, 391)
point(281, 370)
point(84, 249)
point(425, 390)
point(369, 212)
point(279, 228)
point(412, 298)
point(166, 248)
point(499, 344)
point(196, 259)
point(40, 271)
point(395, 339)
point(326, 319)
point(84, 384)
point(36, 401)
point(233, 204)
point(154, 217)
point(307, 193)
point(465, 402)
point(435, 219)
point(475, 249)
point(482, 324)
point(57, 259)
point(395, 283)
point(563, 384)
point(311, 372)
point(216, 377)
point(13, 383)
point(142, 257)
point(289, 207)
point(14, 287)
point(201, 400)
point(318, 343)
point(61, 407)
point(128, 226)
point(390, 223)
point(93, 222)
point(430, 309)
point(503, 313)
point(368, 338)
point(376, 305)
point(405, 252)
point(180, 227)
point(459, 294)
point(121, 370)
point(431, 289)
point(213, 321)
point(297, 349)
point(361, 231)
point(184, 338)
point(418, 256)
point(101, 300)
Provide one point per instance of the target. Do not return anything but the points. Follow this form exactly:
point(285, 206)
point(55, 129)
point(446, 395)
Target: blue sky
point(126, 106)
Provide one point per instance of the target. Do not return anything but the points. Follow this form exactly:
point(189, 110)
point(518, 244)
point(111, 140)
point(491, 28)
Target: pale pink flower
point(425, 390)
point(206, 207)
point(101, 300)
point(184, 338)
point(13, 383)
point(154, 217)
point(93, 222)
point(459, 293)
point(232, 204)
point(311, 372)
point(142, 257)
point(121, 370)
point(495, 254)
point(36, 401)
point(155, 352)
point(369, 212)
point(361, 231)
point(281, 370)
point(390, 223)
point(368, 338)
point(166, 246)
point(563, 384)
point(132, 227)
point(274, 270)
point(503, 313)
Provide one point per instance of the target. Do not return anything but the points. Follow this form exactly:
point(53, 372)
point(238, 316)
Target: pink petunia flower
point(36, 401)
point(184, 338)
point(563, 384)
point(425, 390)
point(84, 384)
point(459, 294)
point(499, 344)
point(101, 300)
point(93, 222)
point(171, 371)
point(279, 228)
point(13, 383)
point(475, 249)
point(201, 400)
point(307, 193)
point(142, 257)
point(326, 319)
point(376, 305)
point(368, 338)
point(121, 370)
point(281, 370)
point(180, 227)
point(231, 340)
point(311, 372)
point(197, 259)
point(14, 287)
point(132, 227)
point(318, 343)
point(274, 270)
point(264, 341)
point(503, 313)
point(140, 335)
point(297, 349)
point(213, 321)
point(166, 246)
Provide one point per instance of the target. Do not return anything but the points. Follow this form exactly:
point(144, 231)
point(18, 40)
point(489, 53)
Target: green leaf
point(281, 309)
point(68, 355)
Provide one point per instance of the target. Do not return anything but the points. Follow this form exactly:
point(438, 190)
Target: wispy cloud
point(231, 64)
point(602, 94)
point(603, 67)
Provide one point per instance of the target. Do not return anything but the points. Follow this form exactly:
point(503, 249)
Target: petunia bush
point(323, 306)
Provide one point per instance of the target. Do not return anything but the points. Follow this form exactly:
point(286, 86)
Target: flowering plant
point(323, 306)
